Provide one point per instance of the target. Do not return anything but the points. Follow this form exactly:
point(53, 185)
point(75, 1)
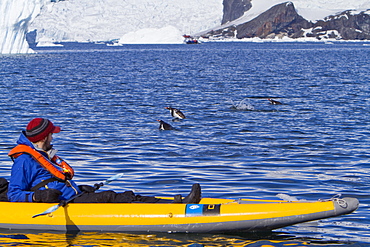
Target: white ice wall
point(103, 20)
point(15, 17)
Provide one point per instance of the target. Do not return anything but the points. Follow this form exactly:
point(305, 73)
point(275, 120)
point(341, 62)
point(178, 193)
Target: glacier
point(127, 20)
point(139, 21)
point(16, 16)
point(165, 35)
point(102, 20)
point(105, 20)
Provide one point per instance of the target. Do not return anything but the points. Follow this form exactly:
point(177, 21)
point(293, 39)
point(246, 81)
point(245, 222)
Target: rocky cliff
point(347, 26)
point(233, 9)
point(282, 20)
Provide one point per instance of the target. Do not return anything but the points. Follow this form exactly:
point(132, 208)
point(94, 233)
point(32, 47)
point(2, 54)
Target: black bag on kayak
point(3, 189)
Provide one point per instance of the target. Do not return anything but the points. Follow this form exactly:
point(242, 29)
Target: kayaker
point(39, 175)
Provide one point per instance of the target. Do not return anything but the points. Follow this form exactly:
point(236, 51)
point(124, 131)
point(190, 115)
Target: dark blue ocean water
point(233, 142)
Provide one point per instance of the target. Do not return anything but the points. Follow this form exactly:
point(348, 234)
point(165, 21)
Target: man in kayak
point(39, 175)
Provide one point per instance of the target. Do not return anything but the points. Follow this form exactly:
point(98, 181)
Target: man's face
point(47, 144)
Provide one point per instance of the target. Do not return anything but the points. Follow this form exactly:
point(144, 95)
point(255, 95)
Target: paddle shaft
point(65, 202)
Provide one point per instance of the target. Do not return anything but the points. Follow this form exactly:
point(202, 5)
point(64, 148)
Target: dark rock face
point(283, 20)
point(345, 26)
point(233, 9)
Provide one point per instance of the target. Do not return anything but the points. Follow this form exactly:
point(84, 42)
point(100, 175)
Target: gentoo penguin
point(274, 102)
point(176, 113)
point(164, 126)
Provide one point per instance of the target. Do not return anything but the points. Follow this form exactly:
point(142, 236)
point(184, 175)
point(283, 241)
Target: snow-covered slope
point(311, 10)
point(102, 20)
point(142, 21)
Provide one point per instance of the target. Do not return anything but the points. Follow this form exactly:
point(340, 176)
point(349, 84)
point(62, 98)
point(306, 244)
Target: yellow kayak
point(210, 215)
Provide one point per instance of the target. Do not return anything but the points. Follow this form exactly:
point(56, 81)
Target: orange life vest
point(64, 175)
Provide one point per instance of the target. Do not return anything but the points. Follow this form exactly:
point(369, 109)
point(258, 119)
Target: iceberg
point(16, 16)
point(165, 35)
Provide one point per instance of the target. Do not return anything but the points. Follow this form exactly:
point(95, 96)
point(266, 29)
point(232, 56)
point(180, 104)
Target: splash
point(242, 105)
point(16, 16)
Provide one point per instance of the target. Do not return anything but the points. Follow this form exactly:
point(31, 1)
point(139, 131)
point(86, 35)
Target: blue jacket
point(27, 172)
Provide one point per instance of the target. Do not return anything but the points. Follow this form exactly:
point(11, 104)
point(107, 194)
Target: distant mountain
point(104, 20)
point(347, 25)
point(283, 20)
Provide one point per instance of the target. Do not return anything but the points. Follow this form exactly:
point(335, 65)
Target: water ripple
point(233, 142)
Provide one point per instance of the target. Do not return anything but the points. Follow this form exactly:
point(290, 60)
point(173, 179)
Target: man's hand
point(86, 188)
point(48, 195)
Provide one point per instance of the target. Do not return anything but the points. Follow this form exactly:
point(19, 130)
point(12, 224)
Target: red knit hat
point(38, 128)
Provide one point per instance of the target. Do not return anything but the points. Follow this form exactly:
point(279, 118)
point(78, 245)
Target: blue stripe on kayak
point(202, 209)
point(194, 210)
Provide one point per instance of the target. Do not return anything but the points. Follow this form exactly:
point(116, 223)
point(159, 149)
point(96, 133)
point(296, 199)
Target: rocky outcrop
point(346, 25)
point(282, 20)
point(233, 9)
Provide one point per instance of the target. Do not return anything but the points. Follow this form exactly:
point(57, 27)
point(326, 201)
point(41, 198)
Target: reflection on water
point(194, 240)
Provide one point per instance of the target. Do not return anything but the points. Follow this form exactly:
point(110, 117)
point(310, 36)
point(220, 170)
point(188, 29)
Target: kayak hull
point(210, 216)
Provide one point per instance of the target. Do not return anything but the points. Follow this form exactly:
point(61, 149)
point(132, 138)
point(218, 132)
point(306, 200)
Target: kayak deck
point(211, 215)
